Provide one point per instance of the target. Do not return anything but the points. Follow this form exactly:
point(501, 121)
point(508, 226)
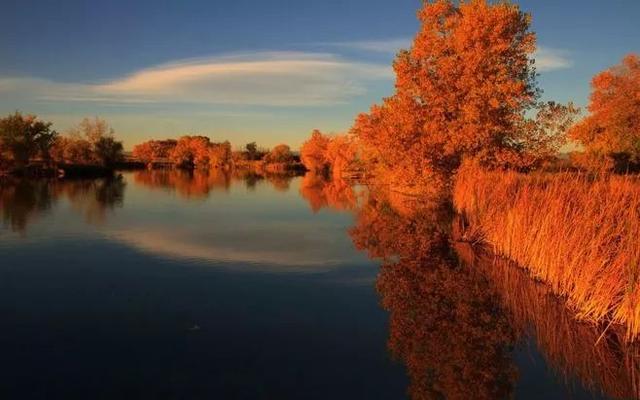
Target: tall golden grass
point(578, 234)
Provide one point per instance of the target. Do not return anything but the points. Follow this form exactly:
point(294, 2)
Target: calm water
point(169, 286)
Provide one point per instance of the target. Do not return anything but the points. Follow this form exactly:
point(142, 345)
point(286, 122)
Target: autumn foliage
point(610, 134)
point(329, 155)
point(153, 150)
point(462, 91)
point(91, 142)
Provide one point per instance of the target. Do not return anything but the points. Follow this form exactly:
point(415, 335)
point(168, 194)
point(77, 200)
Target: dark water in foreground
point(169, 286)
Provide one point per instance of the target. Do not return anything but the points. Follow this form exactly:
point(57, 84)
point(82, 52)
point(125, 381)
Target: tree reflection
point(456, 311)
point(186, 183)
point(23, 200)
point(199, 184)
point(445, 321)
point(321, 192)
point(94, 198)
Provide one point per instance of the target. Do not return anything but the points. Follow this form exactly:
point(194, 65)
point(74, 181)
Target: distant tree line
point(25, 140)
point(199, 152)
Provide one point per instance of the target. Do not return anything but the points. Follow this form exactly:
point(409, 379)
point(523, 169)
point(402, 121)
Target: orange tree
point(312, 152)
point(191, 152)
point(462, 90)
point(610, 134)
point(148, 151)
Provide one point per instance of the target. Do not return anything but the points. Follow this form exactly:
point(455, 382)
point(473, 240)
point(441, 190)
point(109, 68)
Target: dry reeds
point(578, 234)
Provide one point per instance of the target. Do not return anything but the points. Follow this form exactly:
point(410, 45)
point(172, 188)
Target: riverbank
point(577, 233)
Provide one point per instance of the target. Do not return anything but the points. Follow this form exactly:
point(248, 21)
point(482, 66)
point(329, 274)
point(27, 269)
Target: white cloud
point(267, 78)
point(548, 59)
point(390, 46)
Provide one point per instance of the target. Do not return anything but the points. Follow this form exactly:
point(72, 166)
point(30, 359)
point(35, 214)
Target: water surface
point(168, 285)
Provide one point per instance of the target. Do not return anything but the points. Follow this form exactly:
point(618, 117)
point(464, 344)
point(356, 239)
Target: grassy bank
point(577, 234)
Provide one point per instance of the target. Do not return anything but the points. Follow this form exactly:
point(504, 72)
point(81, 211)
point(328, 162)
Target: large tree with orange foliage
point(611, 133)
point(462, 90)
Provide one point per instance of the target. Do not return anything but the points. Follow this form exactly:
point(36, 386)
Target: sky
point(268, 71)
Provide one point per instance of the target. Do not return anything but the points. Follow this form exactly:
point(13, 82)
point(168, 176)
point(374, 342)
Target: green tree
point(108, 151)
point(23, 137)
point(252, 150)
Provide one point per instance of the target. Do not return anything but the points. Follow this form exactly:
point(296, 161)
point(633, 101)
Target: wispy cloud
point(387, 46)
point(549, 59)
point(264, 78)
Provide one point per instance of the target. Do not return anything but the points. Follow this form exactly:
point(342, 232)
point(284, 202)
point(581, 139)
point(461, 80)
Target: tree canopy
point(611, 132)
point(23, 137)
point(463, 90)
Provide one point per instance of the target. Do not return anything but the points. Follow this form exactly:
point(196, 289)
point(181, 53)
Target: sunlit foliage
point(154, 150)
point(610, 134)
point(335, 155)
point(463, 90)
point(220, 155)
point(191, 152)
point(313, 152)
point(279, 154)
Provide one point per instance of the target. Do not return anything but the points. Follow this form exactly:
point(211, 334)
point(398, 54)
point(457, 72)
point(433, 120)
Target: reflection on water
point(321, 193)
point(445, 323)
point(461, 323)
point(458, 314)
point(22, 200)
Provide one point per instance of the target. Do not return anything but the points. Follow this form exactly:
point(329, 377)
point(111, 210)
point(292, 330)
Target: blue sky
point(269, 71)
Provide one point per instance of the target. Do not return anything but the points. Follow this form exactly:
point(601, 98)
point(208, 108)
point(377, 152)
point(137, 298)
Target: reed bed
point(577, 233)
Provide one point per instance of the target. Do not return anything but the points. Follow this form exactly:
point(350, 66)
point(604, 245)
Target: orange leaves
point(461, 90)
point(279, 154)
point(323, 154)
point(153, 150)
point(313, 152)
point(612, 131)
